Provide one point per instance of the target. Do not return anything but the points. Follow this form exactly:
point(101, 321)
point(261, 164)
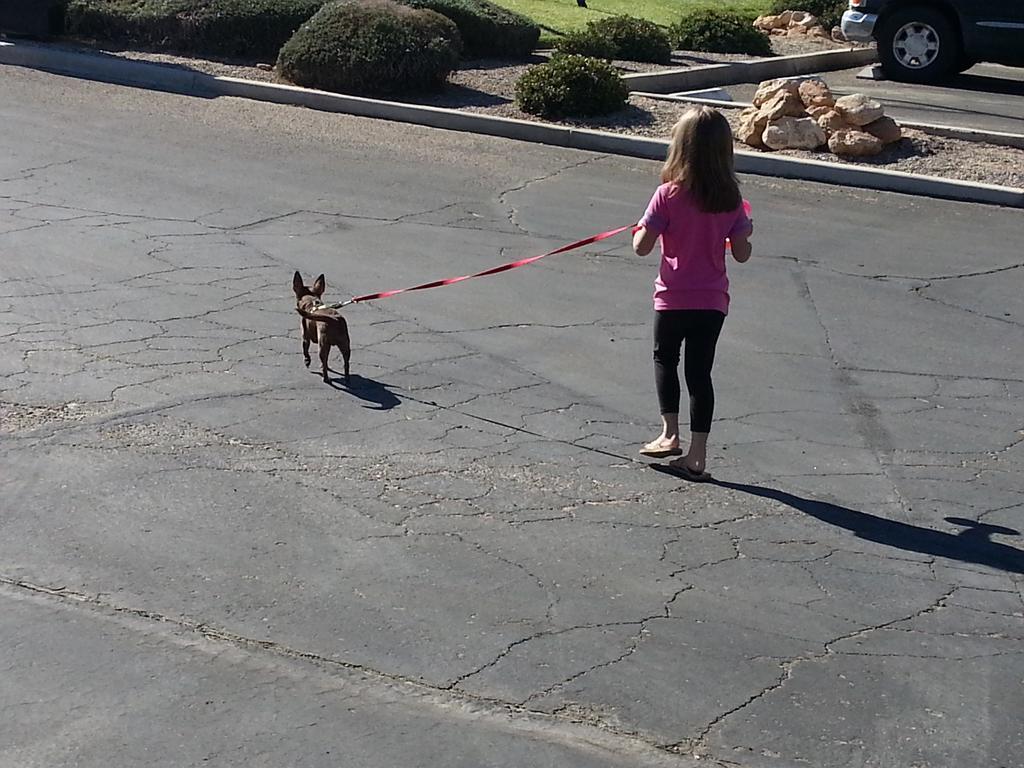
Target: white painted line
point(711, 94)
point(692, 99)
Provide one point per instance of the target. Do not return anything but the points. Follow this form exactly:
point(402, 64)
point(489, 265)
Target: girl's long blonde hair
point(700, 160)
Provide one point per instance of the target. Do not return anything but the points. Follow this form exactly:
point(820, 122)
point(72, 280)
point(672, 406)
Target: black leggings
point(700, 329)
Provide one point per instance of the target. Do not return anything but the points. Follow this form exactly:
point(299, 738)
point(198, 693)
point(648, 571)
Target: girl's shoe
point(656, 451)
point(679, 468)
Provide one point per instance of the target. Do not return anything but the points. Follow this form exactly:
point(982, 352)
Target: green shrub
point(58, 12)
point(371, 47)
point(149, 24)
point(249, 28)
point(829, 12)
point(719, 32)
point(571, 86)
point(587, 42)
point(488, 31)
point(634, 39)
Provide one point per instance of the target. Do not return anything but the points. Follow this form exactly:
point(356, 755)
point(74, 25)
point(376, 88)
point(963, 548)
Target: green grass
point(556, 17)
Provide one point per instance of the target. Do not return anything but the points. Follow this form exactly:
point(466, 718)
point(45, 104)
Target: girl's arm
point(741, 247)
point(643, 241)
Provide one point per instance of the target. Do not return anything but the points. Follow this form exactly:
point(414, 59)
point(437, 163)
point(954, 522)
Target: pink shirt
point(692, 274)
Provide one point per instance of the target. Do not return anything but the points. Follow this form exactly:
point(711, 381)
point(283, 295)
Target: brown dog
point(320, 325)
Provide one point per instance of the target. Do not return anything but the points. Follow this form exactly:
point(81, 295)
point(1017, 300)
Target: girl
point(697, 207)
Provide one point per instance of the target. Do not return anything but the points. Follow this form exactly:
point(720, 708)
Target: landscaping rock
point(885, 129)
point(785, 103)
point(794, 133)
point(858, 109)
point(767, 90)
point(752, 125)
point(802, 113)
point(854, 143)
point(791, 23)
point(831, 121)
point(770, 23)
point(816, 93)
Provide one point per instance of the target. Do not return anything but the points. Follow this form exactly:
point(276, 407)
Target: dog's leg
point(346, 353)
point(325, 353)
point(305, 346)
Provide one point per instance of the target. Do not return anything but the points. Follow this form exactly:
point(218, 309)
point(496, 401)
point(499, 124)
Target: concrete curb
point(103, 67)
point(753, 71)
point(998, 138)
point(683, 98)
point(171, 78)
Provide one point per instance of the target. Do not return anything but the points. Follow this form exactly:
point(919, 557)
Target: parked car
point(924, 41)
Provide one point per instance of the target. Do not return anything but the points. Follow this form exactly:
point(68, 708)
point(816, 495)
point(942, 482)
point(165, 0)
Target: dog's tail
point(319, 318)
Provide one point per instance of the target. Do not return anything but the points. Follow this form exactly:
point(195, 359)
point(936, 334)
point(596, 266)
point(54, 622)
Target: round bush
point(719, 32)
point(244, 28)
point(587, 42)
point(829, 12)
point(150, 23)
point(487, 30)
point(571, 86)
point(634, 39)
point(371, 47)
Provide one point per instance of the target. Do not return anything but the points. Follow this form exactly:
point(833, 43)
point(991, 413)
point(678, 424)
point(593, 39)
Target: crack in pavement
point(512, 216)
point(28, 173)
point(699, 744)
point(635, 641)
point(443, 698)
point(977, 313)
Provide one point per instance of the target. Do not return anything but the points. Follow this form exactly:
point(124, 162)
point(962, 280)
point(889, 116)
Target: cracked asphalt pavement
point(211, 557)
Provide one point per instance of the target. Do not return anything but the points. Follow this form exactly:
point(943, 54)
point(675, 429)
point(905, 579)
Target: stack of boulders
point(803, 114)
point(791, 24)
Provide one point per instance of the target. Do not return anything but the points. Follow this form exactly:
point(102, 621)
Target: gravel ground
point(488, 87)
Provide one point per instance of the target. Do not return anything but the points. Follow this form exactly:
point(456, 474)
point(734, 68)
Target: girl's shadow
point(971, 545)
point(374, 392)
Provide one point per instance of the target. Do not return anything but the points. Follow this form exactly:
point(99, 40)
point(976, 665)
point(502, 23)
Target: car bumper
point(859, 27)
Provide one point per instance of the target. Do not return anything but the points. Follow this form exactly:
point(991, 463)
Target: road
point(211, 557)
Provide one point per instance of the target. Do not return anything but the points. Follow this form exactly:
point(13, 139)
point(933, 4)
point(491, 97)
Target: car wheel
point(918, 45)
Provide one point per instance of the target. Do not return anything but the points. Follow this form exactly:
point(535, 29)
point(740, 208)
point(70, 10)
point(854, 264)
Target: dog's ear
point(319, 286)
point(297, 285)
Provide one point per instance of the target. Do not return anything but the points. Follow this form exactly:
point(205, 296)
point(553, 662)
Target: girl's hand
point(741, 248)
point(643, 241)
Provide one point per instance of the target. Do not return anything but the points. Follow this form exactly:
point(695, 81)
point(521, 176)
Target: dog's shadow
point(971, 545)
point(375, 393)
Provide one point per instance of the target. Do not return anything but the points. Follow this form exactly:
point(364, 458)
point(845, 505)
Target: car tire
point(918, 45)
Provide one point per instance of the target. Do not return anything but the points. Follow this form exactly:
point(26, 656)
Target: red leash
point(502, 268)
point(491, 271)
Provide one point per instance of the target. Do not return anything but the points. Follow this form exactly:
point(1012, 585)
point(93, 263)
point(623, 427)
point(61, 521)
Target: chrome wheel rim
point(916, 45)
